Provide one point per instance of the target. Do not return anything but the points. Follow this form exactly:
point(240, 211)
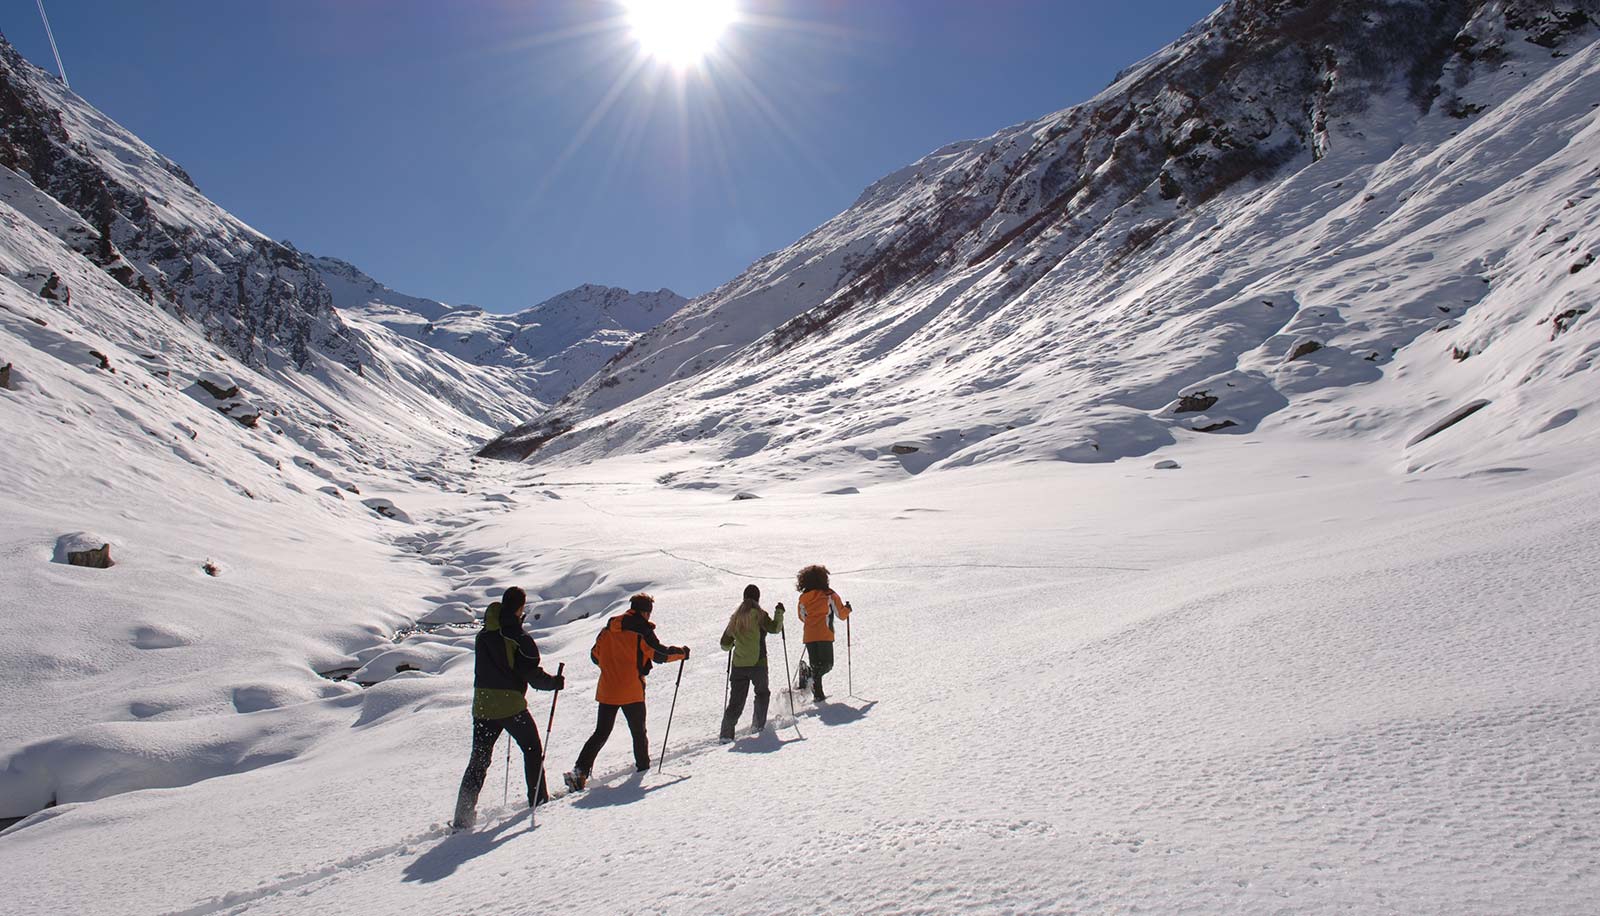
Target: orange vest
point(817, 610)
point(625, 650)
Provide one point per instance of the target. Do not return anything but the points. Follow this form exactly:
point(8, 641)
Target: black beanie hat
point(751, 593)
point(513, 599)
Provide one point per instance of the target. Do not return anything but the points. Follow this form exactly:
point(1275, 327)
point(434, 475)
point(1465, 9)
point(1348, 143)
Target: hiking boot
point(466, 811)
point(803, 679)
point(576, 780)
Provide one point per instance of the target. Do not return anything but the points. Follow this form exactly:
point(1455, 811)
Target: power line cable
point(50, 33)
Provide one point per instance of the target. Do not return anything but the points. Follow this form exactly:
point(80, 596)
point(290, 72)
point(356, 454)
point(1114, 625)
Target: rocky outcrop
point(155, 234)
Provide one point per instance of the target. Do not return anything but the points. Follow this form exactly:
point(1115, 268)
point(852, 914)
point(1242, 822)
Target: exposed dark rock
point(246, 415)
point(1563, 322)
point(1582, 264)
point(105, 361)
point(211, 569)
point(93, 557)
point(739, 497)
point(1455, 417)
point(903, 449)
point(1196, 402)
point(1303, 348)
point(519, 443)
point(219, 387)
point(56, 290)
point(5, 376)
point(1460, 355)
point(1215, 427)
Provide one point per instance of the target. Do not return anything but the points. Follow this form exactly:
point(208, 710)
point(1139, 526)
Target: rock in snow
point(81, 548)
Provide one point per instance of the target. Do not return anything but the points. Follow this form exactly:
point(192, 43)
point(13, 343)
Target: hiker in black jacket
point(507, 665)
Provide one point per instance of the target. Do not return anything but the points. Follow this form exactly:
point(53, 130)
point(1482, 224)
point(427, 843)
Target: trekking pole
point(505, 791)
point(788, 687)
point(533, 819)
point(849, 669)
point(727, 683)
point(668, 733)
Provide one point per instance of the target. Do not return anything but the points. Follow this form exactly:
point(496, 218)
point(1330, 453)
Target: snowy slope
point(1291, 199)
point(546, 350)
point(138, 217)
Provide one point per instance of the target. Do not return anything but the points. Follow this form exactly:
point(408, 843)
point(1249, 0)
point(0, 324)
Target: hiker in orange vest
point(819, 604)
point(624, 650)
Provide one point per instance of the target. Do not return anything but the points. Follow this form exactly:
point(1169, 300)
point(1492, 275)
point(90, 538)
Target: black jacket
point(507, 664)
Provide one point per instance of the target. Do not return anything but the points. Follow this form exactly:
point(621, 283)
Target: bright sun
point(679, 32)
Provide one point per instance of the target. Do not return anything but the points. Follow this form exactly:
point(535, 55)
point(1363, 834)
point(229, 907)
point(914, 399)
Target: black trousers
point(485, 732)
point(821, 660)
point(604, 720)
point(739, 686)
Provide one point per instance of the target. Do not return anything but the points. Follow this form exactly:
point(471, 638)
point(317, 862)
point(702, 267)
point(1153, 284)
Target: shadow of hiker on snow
point(766, 742)
point(455, 850)
point(841, 714)
point(626, 792)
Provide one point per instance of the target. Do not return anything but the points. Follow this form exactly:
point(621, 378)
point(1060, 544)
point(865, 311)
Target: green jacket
point(750, 647)
point(507, 665)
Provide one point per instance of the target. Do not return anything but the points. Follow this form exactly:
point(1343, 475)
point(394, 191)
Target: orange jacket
point(625, 650)
point(817, 610)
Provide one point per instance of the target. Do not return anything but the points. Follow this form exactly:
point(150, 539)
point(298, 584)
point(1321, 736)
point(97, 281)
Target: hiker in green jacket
point(507, 664)
point(746, 636)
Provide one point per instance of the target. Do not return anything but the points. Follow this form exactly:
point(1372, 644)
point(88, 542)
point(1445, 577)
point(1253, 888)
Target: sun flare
point(679, 32)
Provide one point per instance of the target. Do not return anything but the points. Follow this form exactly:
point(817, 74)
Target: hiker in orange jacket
point(624, 650)
point(819, 605)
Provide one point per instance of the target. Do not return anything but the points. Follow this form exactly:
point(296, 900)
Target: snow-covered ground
point(1284, 676)
point(1341, 657)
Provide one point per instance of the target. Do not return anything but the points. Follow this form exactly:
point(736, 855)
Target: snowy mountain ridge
point(1228, 233)
point(548, 349)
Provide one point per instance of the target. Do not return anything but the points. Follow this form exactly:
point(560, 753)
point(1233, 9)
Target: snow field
point(1281, 677)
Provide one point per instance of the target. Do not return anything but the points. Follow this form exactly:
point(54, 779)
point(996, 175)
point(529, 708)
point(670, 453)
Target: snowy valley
point(1210, 465)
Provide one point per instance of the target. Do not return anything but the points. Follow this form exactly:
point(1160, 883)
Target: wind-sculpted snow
point(1292, 199)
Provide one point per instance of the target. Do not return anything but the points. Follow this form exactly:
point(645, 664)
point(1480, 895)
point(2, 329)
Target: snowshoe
point(575, 780)
point(803, 679)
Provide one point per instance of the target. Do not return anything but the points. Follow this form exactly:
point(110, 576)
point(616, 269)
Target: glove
point(778, 606)
point(559, 680)
point(684, 650)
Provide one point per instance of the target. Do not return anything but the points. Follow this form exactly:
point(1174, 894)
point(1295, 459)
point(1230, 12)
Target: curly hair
point(811, 578)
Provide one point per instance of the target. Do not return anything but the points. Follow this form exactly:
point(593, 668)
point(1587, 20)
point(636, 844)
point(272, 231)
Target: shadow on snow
point(453, 851)
point(626, 792)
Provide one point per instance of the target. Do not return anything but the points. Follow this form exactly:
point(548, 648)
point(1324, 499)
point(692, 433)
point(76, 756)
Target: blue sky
point(436, 144)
